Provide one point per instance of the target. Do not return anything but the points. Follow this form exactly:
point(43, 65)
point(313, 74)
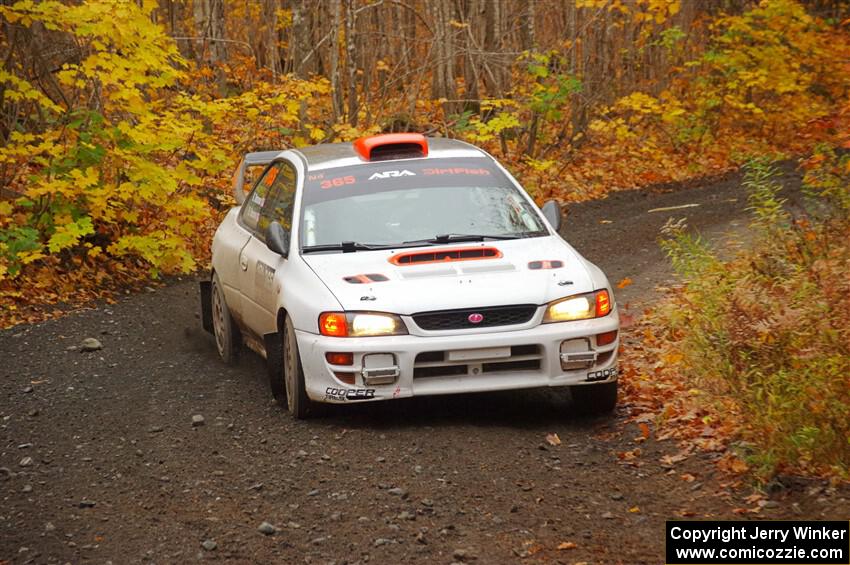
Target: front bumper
point(458, 363)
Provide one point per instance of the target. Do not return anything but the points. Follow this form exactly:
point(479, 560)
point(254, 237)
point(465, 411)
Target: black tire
point(297, 401)
point(227, 338)
point(592, 400)
point(275, 367)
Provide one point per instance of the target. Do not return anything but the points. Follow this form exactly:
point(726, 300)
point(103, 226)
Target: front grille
point(435, 364)
point(460, 319)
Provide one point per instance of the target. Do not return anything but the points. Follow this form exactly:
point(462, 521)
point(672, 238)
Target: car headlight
point(360, 324)
point(579, 307)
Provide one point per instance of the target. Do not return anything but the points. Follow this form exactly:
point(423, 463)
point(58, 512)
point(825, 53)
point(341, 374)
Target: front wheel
point(594, 399)
point(296, 391)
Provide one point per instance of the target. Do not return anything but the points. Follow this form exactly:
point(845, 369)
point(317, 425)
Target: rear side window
point(281, 199)
point(255, 202)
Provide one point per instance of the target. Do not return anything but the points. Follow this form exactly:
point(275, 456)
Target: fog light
point(379, 369)
point(606, 338)
point(577, 354)
point(347, 378)
point(340, 358)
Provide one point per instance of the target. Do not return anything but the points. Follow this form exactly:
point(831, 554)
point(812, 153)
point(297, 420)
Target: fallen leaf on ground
point(624, 283)
point(634, 510)
point(553, 439)
point(567, 545)
point(629, 455)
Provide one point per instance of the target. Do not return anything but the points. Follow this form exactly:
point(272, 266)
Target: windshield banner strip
point(373, 178)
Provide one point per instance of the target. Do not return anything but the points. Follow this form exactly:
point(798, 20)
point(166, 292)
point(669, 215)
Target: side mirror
point(552, 212)
point(277, 239)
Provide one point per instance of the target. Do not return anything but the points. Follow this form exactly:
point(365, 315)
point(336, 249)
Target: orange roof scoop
point(390, 146)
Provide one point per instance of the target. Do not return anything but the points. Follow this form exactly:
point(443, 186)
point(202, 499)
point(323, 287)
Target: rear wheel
point(296, 392)
point(594, 399)
point(227, 338)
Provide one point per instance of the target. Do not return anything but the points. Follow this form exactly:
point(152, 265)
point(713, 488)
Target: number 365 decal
point(338, 181)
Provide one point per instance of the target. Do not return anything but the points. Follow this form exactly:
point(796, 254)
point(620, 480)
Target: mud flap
point(206, 305)
point(274, 364)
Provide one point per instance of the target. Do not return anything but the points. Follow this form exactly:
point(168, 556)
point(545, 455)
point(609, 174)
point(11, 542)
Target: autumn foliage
point(115, 165)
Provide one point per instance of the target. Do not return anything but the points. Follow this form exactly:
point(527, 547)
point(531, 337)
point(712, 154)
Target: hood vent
point(443, 255)
point(538, 265)
point(365, 279)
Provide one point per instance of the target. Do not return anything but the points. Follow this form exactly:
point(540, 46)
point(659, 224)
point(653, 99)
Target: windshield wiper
point(461, 237)
point(345, 247)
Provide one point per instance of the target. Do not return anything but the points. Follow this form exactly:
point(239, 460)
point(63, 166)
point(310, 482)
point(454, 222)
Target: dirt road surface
point(100, 461)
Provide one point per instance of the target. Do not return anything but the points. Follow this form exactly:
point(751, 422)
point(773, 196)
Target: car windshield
point(414, 201)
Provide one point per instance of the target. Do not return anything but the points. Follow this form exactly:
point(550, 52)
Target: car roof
point(332, 155)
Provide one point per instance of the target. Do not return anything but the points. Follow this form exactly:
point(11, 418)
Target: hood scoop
point(445, 255)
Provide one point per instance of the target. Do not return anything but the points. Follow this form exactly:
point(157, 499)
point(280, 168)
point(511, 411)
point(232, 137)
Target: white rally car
point(400, 266)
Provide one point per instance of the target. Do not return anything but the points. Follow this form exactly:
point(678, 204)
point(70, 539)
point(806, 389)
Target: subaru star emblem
point(476, 318)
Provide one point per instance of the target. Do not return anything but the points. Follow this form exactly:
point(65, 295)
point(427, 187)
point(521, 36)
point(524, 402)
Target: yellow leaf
point(672, 358)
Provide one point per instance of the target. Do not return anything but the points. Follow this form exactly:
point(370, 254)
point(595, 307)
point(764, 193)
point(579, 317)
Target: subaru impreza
point(399, 266)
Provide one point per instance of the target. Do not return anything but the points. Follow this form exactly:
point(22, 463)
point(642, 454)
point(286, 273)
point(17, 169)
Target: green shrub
point(768, 331)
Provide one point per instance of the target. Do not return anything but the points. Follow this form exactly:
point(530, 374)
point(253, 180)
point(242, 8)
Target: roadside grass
point(750, 357)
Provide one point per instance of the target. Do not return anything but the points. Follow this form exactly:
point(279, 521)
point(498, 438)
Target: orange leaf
point(644, 430)
point(624, 283)
point(567, 545)
point(634, 510)
point(553, 439)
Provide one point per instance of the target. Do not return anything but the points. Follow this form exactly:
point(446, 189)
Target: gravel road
point(150, 450)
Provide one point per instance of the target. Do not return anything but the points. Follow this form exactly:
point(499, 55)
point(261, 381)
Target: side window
point(281, 200)
point(253, 206)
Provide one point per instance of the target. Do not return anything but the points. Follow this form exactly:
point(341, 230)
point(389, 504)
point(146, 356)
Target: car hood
point(449, 284)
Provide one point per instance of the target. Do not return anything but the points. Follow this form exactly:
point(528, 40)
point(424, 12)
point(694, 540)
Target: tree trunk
point(350, 61)
point(443, 81)
point(266, 49)
point(529, 40)
point(210, 29)
point(495, 79)
point(336, 87)
point(297, 40)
